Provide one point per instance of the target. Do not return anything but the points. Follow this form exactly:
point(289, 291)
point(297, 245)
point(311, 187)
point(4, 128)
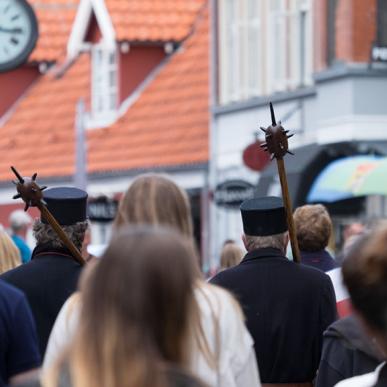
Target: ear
point(244, 241)
point(286, 242)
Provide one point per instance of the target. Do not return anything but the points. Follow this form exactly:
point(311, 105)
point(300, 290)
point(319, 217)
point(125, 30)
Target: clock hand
point(11, 30)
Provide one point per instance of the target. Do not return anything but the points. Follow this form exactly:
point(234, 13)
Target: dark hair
point(137, 305)
point(44, 233)
point(365, 275)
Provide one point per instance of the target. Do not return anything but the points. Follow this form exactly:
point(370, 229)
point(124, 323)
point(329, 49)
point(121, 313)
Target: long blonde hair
point(156, 200)
point(230, 255)
point(128, 336)
point(9, 253)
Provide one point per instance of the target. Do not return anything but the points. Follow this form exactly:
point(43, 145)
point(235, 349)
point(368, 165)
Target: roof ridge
point(198, 19)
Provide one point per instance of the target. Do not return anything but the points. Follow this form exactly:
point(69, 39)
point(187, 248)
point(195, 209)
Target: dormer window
point(104, 85)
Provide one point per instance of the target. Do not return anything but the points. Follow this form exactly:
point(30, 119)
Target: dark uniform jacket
point(47, 280)
point(288, 306)
point(321, 260)
point(347, 352)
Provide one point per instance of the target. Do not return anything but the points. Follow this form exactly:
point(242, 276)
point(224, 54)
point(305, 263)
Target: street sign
point(102, 209)
point(232, 193)
point(379, 54)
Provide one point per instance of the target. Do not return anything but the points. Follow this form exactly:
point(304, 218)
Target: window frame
point(104, 101)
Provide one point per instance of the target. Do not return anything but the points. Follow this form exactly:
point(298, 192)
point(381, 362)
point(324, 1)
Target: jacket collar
point(316, 255)
point(266, 252)
point(45, 249)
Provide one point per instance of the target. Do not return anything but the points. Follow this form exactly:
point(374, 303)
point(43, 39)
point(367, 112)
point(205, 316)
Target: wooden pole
point(288, 209)
point(62, 235)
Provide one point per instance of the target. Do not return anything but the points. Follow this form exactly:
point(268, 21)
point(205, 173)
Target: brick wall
point(320, 34)
point(355, 29)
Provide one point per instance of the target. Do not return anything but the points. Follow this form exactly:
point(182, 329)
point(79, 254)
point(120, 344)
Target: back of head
point(68, 205)
point(137, 305)
point(264, 223)
point(365, 275)
point(313, 227)
point(231, 255)
point(19, 220)
point(157, 200)
point(9, 253)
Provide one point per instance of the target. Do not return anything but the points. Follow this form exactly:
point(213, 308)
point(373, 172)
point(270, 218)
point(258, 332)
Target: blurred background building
point(112, 89)
point(323, 65)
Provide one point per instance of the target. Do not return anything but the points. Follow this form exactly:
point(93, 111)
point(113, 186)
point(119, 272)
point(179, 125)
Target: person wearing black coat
point(52, 274)
point(288, 306)
point(347, 352)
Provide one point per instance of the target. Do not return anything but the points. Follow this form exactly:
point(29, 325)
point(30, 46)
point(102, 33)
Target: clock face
point(18, 33)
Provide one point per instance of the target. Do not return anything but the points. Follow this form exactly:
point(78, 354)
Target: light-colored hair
point(313, 227)
point(126, 337)
point(155, 199)
point(18, 220)
point(230, 255)
point(44, 233)
point(277, 241)
point(9, 253)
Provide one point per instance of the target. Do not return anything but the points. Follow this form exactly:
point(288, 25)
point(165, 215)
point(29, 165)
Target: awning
point(305, 166)
point(350, 177)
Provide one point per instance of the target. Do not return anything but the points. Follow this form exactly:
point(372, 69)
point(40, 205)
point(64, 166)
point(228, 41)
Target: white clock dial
point(18, 32)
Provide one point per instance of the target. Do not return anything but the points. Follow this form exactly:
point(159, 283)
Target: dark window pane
point(382, 22)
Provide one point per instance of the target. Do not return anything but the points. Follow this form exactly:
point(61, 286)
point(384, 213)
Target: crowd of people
point(143, 315)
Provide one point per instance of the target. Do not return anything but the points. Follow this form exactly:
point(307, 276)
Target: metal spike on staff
point(277, 145)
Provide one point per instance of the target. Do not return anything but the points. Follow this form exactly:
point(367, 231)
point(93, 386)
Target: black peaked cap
point(263, 216)
point(68, 205)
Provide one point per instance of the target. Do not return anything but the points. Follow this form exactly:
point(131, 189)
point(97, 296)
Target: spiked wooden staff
point(277, 145)
point(31, 193)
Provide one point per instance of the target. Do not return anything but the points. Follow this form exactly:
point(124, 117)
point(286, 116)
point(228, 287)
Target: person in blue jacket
point(19, 222)
point(19, 350)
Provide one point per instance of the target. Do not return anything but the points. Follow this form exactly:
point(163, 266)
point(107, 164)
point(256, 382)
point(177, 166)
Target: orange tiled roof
point(166, 126)
point(55, 18)
point(39, 136)
point(133, 20)
point(153, 20)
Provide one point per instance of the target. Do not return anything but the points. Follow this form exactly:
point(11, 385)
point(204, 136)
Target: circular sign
point(255, 157)
point(232, 193)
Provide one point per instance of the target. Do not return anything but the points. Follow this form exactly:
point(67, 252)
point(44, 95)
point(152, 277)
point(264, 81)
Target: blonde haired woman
point(230, 255)
point(222, 354)
point(9, 253)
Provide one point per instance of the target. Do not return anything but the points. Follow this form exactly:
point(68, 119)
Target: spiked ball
point(276, 138)
point(28, 190)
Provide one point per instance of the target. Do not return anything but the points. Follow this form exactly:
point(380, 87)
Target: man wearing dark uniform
point(52, 274)
point(287, 306)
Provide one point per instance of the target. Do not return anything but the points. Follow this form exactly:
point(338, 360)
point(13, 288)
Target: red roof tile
point(55, 18)
point(166, 126)
point(153, 20)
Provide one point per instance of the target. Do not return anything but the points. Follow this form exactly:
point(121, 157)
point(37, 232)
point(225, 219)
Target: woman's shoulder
point(217, 297)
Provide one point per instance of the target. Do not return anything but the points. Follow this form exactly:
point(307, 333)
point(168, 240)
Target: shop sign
point(232, 193)
point(379, 54)
point(255, 157)
point(102, 209)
